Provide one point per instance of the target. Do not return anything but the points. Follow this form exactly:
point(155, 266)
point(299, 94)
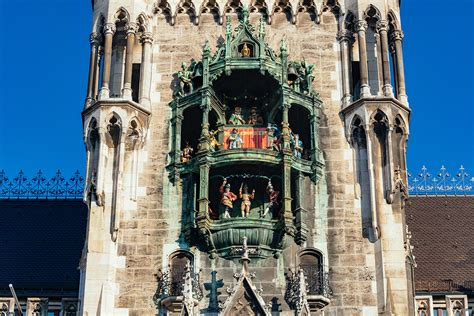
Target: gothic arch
point(372, 14)
point(393, 20)
point(308, 6)
point(332, 6)
point(211, 7)
point(233, 6)
point(164, 8)
point(349, 20)
point(142, 22)
point(261, 7)
point(99, 23)
point(121, 16)
point(186, 7)
point(179, 261)
point(285, 7)
point(357, 130)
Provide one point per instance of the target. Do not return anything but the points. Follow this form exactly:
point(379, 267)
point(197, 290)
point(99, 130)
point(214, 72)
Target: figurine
point(235, 141)
point(297, 146)
point(227, 198)
point(246, 200)
point(273, 199)
point(274, 137)
point(236, 117)
point(213, 143)
point(254, 117)
point(245, 51)
point(185, 80)
point(186, 153)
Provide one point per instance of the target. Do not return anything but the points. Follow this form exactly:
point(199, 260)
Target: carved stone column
point(93, 61)
point(397, 37)
point(109, 30)
point(361, 28)
point(345, 39)
point(382, 28)
point(127, 86)
point(144, 93)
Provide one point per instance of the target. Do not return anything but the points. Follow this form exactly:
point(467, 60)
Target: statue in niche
point(273, 200)
point(274, 137)
point(246, 200)
point(186, 153)
point(235, 141)
point(297, 145)
point(254, 118)
point(227, 198)
point(213, 143)
point(245, 51)
point(300, 76)
point(185, 76)
point(236, 117)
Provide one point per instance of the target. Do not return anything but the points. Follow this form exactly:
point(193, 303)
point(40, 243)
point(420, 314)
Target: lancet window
point(179, 261)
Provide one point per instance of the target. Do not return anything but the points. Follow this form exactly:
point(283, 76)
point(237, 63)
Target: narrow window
point(135, 81)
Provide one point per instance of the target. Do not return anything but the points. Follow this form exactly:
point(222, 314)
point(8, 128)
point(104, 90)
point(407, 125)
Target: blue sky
point(43, 75)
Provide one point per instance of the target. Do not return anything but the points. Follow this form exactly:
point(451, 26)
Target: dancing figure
point(246, 200)
point(227, 198)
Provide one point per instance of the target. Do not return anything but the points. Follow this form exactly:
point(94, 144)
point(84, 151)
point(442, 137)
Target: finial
point(245, 15)
point(245, 257)
point(206, 48)
point(283, 46)
point(261, 30)
point(228, 27)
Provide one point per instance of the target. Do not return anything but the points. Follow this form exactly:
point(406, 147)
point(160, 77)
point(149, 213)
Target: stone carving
point(300, 76)
point(246, 199)
point(244, 298)
point(227, 198)
point(296, 293)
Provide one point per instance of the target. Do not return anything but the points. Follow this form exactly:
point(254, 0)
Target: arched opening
point(362, 183)
point(300, 132)
point(180, 261)
point(374, 52)
point(311, 261)
point(119, 44)
point(380, 150)
point(191, 129)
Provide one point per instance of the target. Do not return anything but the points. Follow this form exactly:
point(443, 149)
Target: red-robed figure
point(227, 198)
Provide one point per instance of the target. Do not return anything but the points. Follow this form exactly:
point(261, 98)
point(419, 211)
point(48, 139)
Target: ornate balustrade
point(442, 183)
point(41, 187)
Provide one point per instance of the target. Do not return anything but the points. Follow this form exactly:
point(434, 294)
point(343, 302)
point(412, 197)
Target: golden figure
point(246, 200)
point(213, 142)
point(245, 51)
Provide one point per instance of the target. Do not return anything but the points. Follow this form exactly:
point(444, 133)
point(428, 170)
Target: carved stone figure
point(185, 80)
point(273, 199)
point(186, 153)
point(297, 146)
point(235, 141)
point(246, 200)
point(254, 117)
point(236, 117)
point(227, 198)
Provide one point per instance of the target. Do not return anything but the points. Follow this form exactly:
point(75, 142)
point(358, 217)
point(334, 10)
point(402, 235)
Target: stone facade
point(354, 209)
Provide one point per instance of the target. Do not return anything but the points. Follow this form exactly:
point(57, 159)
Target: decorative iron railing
point(39, 186)
point(442, 183)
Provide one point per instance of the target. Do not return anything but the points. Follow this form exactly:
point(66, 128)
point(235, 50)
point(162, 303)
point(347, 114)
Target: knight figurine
point(273, 200)
point(185, 80)
point(227, 198)
point(186, 153)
